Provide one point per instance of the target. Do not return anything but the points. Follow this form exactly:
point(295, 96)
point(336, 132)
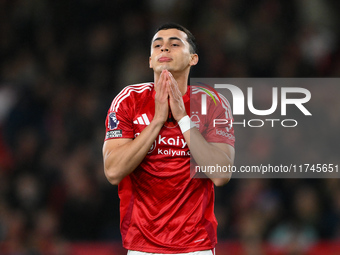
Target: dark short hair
point(191, 38)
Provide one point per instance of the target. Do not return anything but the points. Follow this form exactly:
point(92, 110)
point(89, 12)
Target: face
point(170, 50)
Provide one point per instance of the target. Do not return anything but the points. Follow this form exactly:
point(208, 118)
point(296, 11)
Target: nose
point(164, 48)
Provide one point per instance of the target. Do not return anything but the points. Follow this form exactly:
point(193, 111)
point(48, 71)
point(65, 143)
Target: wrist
point(157, 122)
point(185, 124)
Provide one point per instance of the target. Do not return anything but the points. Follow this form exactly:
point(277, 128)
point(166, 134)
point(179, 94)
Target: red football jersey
point(162, 209)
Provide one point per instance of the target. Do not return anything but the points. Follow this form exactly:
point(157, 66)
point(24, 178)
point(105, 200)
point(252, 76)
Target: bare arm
point(122, 156)
point(204, 153)
point(210, 154)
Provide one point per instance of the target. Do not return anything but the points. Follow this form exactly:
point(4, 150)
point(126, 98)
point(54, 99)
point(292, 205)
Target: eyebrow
point(170, 38)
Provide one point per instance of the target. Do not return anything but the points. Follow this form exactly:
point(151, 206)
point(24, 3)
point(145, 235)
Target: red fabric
point(223, 248)
point(162, 209)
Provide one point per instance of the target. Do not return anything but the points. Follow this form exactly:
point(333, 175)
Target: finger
point(162, 86)
point(170, 87)
point(158, 82)
point(161, 80)
point(174, 83)
point(174, 87)
point(165, 90)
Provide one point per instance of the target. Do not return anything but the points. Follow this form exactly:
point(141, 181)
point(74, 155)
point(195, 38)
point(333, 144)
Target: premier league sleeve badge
point(113, 122)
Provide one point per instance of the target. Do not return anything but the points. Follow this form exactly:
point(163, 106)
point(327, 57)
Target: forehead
point(165, 34)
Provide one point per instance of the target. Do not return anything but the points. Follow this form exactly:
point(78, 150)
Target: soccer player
point(149, 140)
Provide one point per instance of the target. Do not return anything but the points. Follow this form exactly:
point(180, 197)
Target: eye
point(175, 44)
point(157, 46)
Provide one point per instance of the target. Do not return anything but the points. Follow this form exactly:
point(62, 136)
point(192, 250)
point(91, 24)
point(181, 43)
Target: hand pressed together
point(168, 98)
point(176, 101)
point(161, 99)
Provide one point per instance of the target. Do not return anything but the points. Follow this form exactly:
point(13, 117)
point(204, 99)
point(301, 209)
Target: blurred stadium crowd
point(62, 62)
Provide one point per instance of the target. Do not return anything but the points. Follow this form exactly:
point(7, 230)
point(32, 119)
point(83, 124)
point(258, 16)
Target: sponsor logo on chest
point(172, 146)
point(178, 141)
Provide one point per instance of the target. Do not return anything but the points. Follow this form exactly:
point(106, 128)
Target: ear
point(193, 59)
point(150, 65)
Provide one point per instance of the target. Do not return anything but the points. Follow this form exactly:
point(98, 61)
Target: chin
point(160, 68)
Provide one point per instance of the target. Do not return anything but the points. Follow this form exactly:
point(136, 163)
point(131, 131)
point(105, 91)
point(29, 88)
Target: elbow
point(113, 181)
point(112, 176)
point(221, 181)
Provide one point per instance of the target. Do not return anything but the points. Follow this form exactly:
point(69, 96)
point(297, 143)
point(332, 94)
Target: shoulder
point(199, 90)
point(132, 92)
point(208, 99)
point(210, 94)
point(136, 89)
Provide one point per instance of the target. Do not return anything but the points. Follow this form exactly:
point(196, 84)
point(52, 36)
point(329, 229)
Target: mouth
point(164, 59)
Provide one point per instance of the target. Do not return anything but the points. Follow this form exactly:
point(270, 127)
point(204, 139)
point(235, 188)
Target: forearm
point(122, 159)
point(207, 154)
point(204, 153)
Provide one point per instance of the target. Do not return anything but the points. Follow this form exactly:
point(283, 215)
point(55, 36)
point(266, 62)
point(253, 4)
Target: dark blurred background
point(61, 64)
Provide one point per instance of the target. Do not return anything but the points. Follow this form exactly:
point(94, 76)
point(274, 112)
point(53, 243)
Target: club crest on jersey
point(113, 122)
point(195, 119)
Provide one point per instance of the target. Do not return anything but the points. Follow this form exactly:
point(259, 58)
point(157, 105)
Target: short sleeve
point(219, 128)
point(118, 120)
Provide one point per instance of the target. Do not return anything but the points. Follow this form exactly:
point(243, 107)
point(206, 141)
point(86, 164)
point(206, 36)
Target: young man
point(149, 140)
